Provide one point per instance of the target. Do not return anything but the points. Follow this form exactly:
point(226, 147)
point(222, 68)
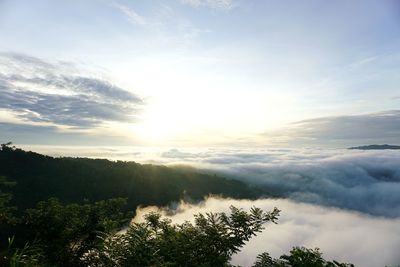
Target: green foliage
point(66, 232)
point(298, 257)
point(72, 180)
point(265, 260)
point(85, 235)
point(303, 257)
point(209, 242)
point(6, 211)
point(27, 256)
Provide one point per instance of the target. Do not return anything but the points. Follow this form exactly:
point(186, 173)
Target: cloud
point(58, 94)
point(342, 235)
point(364, 181)
point(131, 14)
point(215, 4)
point(52, 135)
point(381, 127)
point(175, 153)
point(164, 26)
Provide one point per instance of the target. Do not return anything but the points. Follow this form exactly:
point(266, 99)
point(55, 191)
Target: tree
point(65, 232)
point(6, 211)
point(265, 260)
point(298, 257)
point(84, 235)
point(209, 242)
point(7, 146)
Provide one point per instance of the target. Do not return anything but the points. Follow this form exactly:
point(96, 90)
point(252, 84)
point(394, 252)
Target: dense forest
point(73, 180)
point(70, 212)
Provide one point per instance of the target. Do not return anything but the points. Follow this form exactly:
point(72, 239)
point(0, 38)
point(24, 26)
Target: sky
point(200, 72)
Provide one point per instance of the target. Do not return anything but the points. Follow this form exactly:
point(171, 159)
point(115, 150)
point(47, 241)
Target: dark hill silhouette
point(375, 147)
point(73, 180)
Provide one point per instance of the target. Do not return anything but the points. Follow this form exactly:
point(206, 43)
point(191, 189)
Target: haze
point(200, 72)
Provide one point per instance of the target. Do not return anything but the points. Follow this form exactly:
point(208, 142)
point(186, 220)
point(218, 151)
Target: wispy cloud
point(346, 130)
point(40, 91)
point(164, 24)
point(53, 135)
point(215, 4)
point(132, 16)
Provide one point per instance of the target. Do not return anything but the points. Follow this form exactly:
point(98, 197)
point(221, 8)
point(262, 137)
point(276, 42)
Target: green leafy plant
point(210, 241)
point(30, 255)
point(66, 232)
point(298, 257)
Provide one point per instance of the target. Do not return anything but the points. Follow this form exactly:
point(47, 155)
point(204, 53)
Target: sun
point(208, 118)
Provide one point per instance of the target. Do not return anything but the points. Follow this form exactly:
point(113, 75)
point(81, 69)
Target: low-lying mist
point(347, 236)
point(365, 181)
point(346, 202)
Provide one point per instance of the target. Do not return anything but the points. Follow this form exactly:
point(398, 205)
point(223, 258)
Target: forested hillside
point(73, 180)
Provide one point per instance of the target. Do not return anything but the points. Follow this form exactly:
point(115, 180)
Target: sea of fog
point(347, 202)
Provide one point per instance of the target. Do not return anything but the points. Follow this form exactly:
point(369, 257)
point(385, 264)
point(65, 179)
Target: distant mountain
point(375, 147)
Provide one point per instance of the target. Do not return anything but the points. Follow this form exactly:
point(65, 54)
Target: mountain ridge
point(39, 177)
point(375, 147)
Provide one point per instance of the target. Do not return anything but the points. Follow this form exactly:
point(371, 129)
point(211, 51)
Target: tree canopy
point(74, 180)
point(209, 242)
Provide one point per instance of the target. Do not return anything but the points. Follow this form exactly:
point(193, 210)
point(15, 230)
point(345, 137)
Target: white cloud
point(363, 181)
point(342, 235)
point(131, 14)
point(215, 4)
point(60, 94)
point(381, 127)
point(366, 181)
